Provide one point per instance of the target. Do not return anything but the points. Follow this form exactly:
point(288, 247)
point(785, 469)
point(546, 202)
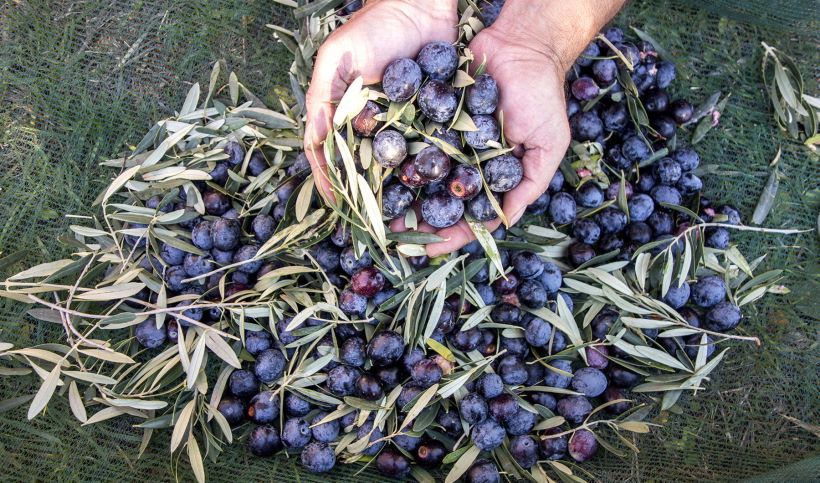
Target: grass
point(80, 81)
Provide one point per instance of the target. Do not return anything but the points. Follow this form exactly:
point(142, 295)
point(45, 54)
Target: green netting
point(80, 80)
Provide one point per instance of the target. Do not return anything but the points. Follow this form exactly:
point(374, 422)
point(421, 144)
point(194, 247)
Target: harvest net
point(80, 81)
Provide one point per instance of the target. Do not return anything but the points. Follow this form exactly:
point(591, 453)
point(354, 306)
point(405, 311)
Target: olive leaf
point(767, 196)
point(45, 392)
point(463, 464)
point(795, 112)
point(351, 104)
point(422, 402)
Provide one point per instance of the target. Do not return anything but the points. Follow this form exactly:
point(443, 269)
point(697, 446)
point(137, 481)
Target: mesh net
point(80, 80)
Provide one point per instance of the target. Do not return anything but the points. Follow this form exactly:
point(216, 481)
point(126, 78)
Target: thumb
point(327, 85)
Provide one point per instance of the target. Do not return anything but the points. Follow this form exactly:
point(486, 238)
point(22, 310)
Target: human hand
point(531, 86)
point(381, 32)
point(528, 50)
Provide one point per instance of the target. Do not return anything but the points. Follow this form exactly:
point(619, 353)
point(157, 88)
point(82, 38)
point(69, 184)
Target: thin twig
point(152, 312)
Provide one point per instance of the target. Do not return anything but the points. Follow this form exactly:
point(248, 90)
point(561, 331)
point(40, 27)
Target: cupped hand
point(531, 85)
point(381, 32)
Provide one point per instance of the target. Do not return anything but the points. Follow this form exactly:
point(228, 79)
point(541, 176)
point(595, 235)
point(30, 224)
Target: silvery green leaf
point(373, 212)
point(435, 311)
point(439, 276)
point(305, 314)
point(485, 238)
point(634, 426)
point(508, 464)
point(550, 423)
point(734, 255)
point(421, 475)
point(182, 424)
point(91, 377)
point(763, 278)
point(45, 392)
point(191, 100)
point(308, 381)
point(362, 404)
point(649, 353)
point(513, 333)
point(669, 399)
point(686, 263)
point(622, 201)
point(673, 377)
point(455, 455)
point(657, 387)
point(463, 123)
point(646, 323)
point(455, 384)
point(565, 473)
point(269, 118)
point(582, 287)
point(175, 217)
point(422, 402)
point(707, 368)
point(75, 401)
point(610, 280)
point(153, 158)
point(660, 357)
point(753, 296)
point(613, 267)
point(545, 232)
point(351, 104)
point(649, 246)
point(700, 359)
point(318, 396)
point(108, 355)
point(414, 237)
point(335, 415)
point(127, 175)
point(223, 350)
point(104, 415)
point(595, 307)
point(441, 349)
point(314, 365)
point(219, 385)
point(668, 271)
point(303, 199)
point(682, 209)
point(614, 298)
point(137, 404)
point(366, 152)
point(767, 196)
point(88, 232)
point(411, 250)
point(233, 88)
point(113, 292)
point(310, 337)
point(642, 269)
point(462, 79)
point(463, 464)
point(197, 360)
point(477, 317)
point(46, 315)
point(682, 332)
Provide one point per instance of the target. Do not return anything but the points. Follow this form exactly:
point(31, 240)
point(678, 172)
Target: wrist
point(559, 29)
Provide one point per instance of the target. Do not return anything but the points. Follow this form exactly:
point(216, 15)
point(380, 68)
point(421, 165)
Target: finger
point(397, 225)
point(327, 85)
point(456, 237)
point(538, 171)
